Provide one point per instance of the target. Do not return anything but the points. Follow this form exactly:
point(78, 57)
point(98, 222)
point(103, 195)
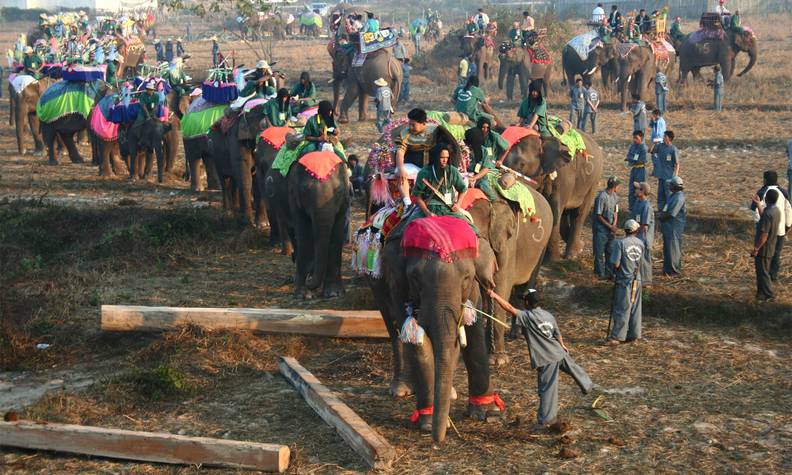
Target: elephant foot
point(305, 294)
point(343, 119)
point(333, 290)
point(400, 389)
point(553, 256)
point(52, 163)
point(485, 412)
point(499, 359)
point(77, 159)
point(288, 249)
point(425, 423)
point(572, 253)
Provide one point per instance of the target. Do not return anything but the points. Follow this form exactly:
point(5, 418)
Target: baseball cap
point(631, 225)
point(677, 181)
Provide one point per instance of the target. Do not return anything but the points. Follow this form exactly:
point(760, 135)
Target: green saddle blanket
point(197, 124)
point(571, 139)
point(67, 97)
point(518, 193)
point(287, 156)
point(457, 131)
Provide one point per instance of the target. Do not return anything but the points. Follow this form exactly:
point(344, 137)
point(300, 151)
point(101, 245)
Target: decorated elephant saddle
point(663, 50)
point(276, 136)
point(65, 98)
point(445, 237)
point(585, 43)
point(20, 81)
point(320, 164)
point(539, 54)
point(626, 48)
point(703, 34)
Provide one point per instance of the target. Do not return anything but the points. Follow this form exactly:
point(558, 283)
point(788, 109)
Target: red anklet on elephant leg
point(484, 400)
point(421, 412)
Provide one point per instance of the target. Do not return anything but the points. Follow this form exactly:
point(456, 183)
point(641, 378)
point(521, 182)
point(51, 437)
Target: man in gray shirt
point(549, 354)
point(603, 225)
point(765, 244)
point(643, 214)
point(626, 257)
point(672, 226)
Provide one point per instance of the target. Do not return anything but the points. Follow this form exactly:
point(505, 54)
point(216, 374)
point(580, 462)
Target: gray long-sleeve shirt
point(543, 333)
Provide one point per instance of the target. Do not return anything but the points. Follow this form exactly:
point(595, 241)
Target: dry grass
point(713, 380)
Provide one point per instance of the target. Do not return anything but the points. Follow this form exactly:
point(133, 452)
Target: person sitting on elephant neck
point(470, 100)
point(549, 353)
point(32, 63)
point(259, 81)
point(471, 27)
point(304, 92)
point(533, 111)
point(735, 24)
point(372, 24)
point(516, 35)
point(277, 111)
point(413, 144)
point(633, 32)
point(444, 180)
point(676, 30)
point(321, 129)
point(149, 101)
point(489, 150)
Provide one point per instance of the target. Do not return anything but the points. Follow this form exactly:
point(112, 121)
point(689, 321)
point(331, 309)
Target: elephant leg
point(287, 245)
point(103, 148)
point(228, 199)
point(304, 253)
point(160, 163)
point(478, 370)
point(574, 244)
point(246, 184)
point(171, 147)
point(363, 106)
point(71, 147)
point(350, 95)
point(212, 178)
point(35, 130)
point(389, 301)
point(421, 361)
point(497, 341)
point(194, 167)
point(49, 141)
point(333, 285)
point(554, 244)
point(510, 86)
point(262, 218)
point(149, 163)
point(119, 165)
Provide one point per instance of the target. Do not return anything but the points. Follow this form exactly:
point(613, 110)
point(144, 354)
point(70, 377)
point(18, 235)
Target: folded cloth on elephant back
point(287, 156)
point(101, 125)
point(518, 193)
point(539, 55)
point(219, 93)
point(447, 237)
point(571, 139)
point(20, 81)
point(67, 97)
point(121, 114)
point(198, 124)
point(584, 43)
point(515, 133)
point(320, 165)
point(662, 49)
point(81, 72)
point(701, 35)
point(457, 131)
point(472, 195)
point(276, 136)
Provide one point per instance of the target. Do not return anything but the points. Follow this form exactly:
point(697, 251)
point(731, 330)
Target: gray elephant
point(198, 154)
point(438, 288)
point(568, 185)
point(63, 130)
point(602, 58)
point(318, 206)
point(637, 67)
point(515, 61)
point(273, 187)
point(695, 54)
point(22, 113)
point(358, 82)
point(144, 140)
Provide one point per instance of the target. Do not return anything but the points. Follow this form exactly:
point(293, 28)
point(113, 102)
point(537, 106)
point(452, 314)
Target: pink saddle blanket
point(103, 128)
point(448, 237)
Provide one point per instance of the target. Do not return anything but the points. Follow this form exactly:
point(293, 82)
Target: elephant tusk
point(585, 73)
point(629, 78)
point(594, 70)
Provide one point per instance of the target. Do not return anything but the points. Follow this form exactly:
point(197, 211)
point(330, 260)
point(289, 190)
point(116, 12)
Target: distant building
point(100, 5)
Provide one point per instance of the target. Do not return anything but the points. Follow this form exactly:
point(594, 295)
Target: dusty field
point(709, 391)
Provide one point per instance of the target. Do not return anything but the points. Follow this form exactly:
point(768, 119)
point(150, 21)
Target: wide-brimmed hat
point(262, 64)
point(28, 49)
point(150, 86)
point(631, 225)
point(380, 82)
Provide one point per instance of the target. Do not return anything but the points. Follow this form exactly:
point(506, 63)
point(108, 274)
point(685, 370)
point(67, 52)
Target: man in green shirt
point(304, 92)
point(516, 35)
point(148, 103)
point(488, 148)
point(468, 99)
point(676, 31)
point(259, 82)
point(444, 178)
point(277, 111)
point(111, 74)
point(533, 111)
point(32, 63)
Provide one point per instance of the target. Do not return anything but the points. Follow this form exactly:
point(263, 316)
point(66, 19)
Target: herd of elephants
point(311, 215)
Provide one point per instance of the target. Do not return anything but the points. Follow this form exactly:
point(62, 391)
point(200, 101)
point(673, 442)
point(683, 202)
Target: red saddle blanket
point(276, 136)
point(472, 195)
point(320, 164)
point(539, 55)
point(515, 133)
point(448, 237)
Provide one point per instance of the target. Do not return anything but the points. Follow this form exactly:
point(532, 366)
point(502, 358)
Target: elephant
point(358, 82)
point(517, 61)
point(273, 188)
point(570, 193)
point(319, 210)
point(486, 57)
point(467, 44)
point(637, 68)
point(149, 137)
point(438, 288)
point(105, 146)
point(694, 56)
point(197, 151)
point(22, 113)
point(63, 130)
point(602, 58)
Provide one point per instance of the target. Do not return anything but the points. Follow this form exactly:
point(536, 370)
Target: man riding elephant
point(32, 63)
point(413, 147)
point(277, 111)
point(439, 187)
point(321, 129)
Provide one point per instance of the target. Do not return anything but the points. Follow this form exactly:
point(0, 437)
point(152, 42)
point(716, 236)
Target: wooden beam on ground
point(332, 323)
point(364, 440)
point(144, 446)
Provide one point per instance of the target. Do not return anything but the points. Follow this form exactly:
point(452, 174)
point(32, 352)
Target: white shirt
point(482, 18)
point(527, 24)
point(783, 205)
point(597, 15)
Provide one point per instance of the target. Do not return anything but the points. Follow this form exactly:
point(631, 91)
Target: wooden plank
point(332, 323)
point(364, 440)
point(144, 446)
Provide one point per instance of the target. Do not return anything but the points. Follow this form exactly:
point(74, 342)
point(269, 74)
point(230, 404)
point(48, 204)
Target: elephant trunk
point(753, 56)
point(502, 71)
point(322, 232)
point(446, 354)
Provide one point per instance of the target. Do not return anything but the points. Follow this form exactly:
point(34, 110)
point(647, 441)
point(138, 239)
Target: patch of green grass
point(161, 382)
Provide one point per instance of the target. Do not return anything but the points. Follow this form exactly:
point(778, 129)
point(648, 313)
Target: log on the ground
point(367, 442)
point(332, 323)
point(144, 446)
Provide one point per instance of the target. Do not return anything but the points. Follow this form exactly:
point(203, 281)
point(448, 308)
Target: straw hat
point(380, 82)
point(150, 86)
point(28, 49)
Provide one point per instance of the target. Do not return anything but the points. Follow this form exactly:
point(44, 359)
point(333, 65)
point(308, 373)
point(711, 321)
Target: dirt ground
point(708, 391)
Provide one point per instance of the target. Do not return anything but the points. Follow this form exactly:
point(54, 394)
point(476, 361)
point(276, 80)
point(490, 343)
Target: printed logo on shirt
point(546, 328)
point(633, 253)
point(464, 96)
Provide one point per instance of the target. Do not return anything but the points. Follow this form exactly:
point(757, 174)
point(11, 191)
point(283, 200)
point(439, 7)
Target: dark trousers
point(764, 284)
point(775, 264)
point(547, 386)
point(600, 244)
point(589, 116)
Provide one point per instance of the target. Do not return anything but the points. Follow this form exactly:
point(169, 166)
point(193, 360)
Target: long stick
point(520, 175)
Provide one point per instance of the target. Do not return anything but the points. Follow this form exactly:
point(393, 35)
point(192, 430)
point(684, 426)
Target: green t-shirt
point(148, 102)
point(471, 28)
point(32, 63)
point(492, 148)
point(112, 69)
point(528, 109)
point(314, 127)
point(300, 90)
point(277, 117)
point(467, 101)
point(448, 182)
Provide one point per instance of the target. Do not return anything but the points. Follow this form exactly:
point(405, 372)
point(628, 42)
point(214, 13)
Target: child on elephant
point(549, 354)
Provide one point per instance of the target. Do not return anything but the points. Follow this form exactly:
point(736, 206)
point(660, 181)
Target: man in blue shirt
point(665, 165)
point(577, 102)
point(658, 126)
point(636, 160)
point(672, 226)
point(717, 88)
point(604, 214)
point(626, 258)
point(644, 216)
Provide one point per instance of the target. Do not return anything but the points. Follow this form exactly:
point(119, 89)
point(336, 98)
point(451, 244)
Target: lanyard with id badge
point(448, 196)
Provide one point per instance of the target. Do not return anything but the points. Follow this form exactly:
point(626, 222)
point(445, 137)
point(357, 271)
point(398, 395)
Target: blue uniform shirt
point(605, 205)
point(636, 155)
point(626, 252)
point(543, 333)
point(664, 161)
point(644, 214)
point(658, 129)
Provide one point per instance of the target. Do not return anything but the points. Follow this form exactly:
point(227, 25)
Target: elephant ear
point(247, 128)
point(553, 158)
